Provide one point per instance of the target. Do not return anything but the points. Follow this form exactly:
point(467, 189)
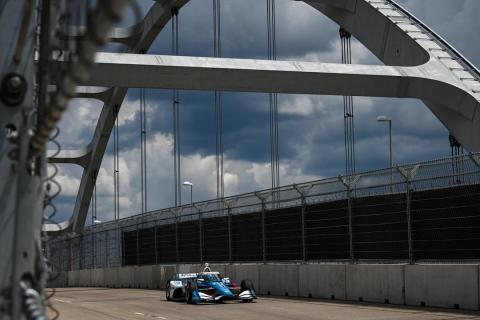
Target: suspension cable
point(143, 150)
point(116, 166)
point(176, 115)
point(273, 99)
point(218, 103)
point(348, 108)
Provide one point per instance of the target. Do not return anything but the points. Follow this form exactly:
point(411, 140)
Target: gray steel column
point(350, 224)
point(138, 248)
point(122, 246)
point(107, 255)
point(264, 247)
point(229, 234)
point(93, 249)
point(177, 250)
point(304, 247)
point(155, 239)
point(409, 224)
point(200, 227)
point(303, 192)
point(70, 268)
point(349, 182)
point(408, 175)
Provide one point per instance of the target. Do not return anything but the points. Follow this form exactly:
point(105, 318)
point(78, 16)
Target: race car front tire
point(167, 293)
point(246, 285)
point(191, 287)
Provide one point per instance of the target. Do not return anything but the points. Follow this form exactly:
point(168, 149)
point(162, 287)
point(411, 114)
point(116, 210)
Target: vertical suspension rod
point(116, 166)
point(143, 150)
point(348, 108)
point(218, 103)
point(273, 100)
point(176, 115)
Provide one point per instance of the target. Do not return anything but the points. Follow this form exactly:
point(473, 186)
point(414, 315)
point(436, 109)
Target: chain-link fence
point(428, 211)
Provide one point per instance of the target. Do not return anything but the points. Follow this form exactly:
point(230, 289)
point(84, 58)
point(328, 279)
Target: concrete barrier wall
point(443, 285)
point(435, 285)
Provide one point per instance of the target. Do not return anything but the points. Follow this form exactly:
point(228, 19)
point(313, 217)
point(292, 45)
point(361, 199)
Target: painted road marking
point(149, 315)
point(64, 301)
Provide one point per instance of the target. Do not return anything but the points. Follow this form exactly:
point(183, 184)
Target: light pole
point(389, 120)
point(188, 183)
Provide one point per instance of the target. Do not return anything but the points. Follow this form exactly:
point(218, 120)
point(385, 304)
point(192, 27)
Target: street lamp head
point(97, 221)
point(383, 119)
point(187, 183)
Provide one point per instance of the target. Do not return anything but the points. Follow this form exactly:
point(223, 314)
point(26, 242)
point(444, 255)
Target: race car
point(208, 286)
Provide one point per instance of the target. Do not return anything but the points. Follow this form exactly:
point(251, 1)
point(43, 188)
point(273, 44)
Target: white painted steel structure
point(418, 64)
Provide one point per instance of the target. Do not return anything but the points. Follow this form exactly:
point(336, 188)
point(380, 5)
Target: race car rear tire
point(167, 292)
point(246, 285)
point(191, 287)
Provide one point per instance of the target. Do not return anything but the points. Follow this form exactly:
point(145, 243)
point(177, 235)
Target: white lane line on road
point(64, 301)
point(149, 315)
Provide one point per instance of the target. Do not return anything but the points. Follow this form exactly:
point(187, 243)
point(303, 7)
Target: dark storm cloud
point(311, 128)
point(300, 30)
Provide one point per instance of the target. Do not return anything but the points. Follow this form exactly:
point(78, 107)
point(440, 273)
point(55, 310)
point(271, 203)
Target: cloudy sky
point(310, 127)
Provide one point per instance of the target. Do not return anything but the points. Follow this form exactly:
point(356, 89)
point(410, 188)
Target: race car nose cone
point(222, 289)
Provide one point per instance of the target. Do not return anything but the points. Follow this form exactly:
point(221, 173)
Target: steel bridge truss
point(418, 64)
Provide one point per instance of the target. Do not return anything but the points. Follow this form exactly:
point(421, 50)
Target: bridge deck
point(102, 304)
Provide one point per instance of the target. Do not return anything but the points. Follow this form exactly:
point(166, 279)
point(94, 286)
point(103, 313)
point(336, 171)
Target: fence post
point(138, 247)
point(122, 246)
point(200, 229)
point(408, 175)
point(70, 254)
point(349, 183)
point(107, 253)
point(177, 251)
point(155, 243)
point(93, 249)
point(229, 204)
point(264, 240)
point(303, 192)
point(229, 234)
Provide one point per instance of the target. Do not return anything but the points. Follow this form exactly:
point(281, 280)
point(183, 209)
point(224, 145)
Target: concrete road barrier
point(435, 285)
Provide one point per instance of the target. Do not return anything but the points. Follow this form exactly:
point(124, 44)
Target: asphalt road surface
point(137, 304)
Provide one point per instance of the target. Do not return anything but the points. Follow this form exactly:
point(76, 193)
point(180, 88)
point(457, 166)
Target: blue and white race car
point(208, 286)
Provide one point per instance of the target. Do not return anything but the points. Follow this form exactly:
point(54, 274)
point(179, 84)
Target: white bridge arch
point(418, 64)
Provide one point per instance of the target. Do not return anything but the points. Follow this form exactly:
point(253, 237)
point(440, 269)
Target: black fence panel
point(380, 227)
point(166, 244)
point(446, 223)
point(189, 241)
point(326, 231)
point(283, 232)
point(247, 243)
point(215, 239)
point(146, 246)
point(129, 247)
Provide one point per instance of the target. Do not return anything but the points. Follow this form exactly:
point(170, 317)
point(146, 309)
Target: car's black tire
point(167, 293)
point(246, 285)
point(191, 287)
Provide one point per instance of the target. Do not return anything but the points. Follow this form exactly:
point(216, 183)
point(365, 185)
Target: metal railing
point(428, 211)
